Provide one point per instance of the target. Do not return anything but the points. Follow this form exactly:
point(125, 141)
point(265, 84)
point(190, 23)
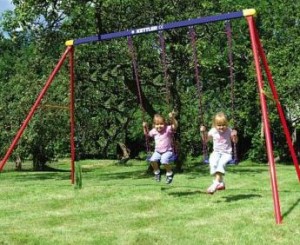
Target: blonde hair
point(158, 118)
point(220, 118)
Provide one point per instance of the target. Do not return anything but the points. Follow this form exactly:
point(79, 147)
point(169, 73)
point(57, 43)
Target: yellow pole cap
point(249, 12)
point(69, 43)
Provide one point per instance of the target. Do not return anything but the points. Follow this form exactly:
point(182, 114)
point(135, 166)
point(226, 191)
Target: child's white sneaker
point(169, 178)
point(215, 186)
point(221, 186)
point(157, 177)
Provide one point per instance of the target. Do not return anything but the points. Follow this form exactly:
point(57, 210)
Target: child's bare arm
point(174, 122)
point(145, 128)
point(234, 136)
point(204, 135)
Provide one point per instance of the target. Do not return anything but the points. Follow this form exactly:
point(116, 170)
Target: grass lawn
point(122, 204)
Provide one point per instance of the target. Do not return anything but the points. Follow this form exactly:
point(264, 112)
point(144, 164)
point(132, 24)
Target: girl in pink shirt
point(163, 140)
point(222, 136)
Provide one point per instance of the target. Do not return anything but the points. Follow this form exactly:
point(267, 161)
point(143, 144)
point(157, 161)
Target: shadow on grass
point(45, 168)
point(291, 208)
point(45, 174)
point(60, 175)
point(231, 198)
point(246, 170)
point(42, 176)
point(185, 193)
point(63, 174)
point(234, 198)
point(138, 174)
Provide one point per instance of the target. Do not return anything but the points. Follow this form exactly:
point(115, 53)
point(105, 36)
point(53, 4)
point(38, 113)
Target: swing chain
point(164, 66)
point(138, 85)
point(192, 35)
point(232, 83)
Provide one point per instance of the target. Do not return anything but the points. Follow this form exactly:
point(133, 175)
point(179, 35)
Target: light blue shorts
point(218, 161)
point(164, 158)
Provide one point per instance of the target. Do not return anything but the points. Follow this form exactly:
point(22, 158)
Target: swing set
point(260, 62)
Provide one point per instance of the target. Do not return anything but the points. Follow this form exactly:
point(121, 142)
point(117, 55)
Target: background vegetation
point(107, 109)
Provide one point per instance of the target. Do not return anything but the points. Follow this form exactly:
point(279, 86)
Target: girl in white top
point(222, 136)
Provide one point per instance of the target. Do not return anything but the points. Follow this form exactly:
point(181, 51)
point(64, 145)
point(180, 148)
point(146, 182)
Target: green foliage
point(107, 105)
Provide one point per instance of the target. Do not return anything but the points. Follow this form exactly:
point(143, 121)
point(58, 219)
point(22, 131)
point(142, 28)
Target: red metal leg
point(264, 110)
point(33, 108)
point(72, 117)
point(278, 105)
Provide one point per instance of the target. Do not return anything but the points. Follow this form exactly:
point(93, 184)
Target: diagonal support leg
point(278, 105)
point(265, 117)
point(33, 109)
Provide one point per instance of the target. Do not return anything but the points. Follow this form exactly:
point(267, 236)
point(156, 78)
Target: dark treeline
point(107, 105)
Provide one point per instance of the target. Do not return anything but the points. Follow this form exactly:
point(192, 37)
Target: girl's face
point(221, 127)
point(220, 122)
point(159, 124)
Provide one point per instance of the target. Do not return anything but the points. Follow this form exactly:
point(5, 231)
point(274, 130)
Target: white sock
point(156, 171)
point(169, 173)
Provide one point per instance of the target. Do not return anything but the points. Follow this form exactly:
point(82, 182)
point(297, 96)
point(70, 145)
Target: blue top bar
point(167, 26)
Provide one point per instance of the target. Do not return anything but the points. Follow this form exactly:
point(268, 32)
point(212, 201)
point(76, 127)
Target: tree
point(106, 93)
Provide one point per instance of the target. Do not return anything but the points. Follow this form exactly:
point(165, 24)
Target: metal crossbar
point(161, 27)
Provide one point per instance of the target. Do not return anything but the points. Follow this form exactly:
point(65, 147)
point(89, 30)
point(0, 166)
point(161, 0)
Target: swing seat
point(174, 157)
point(233, 162)
point(148, 158)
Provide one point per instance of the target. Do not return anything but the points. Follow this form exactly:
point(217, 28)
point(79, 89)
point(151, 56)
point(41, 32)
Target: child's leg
point(220, 168)
point(219, 176)
point(217, 169)
point(154, 159)
point(156, 171)
point(168, 168)
point(155, 167)
point(169, 173)
point(213, 162)
point(165, 160)
point(154, 163)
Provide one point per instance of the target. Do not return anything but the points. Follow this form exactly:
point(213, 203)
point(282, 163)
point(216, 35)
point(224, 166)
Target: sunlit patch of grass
point(122, 204)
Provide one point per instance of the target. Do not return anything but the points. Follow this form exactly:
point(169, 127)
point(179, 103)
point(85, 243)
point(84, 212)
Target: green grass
point(122, 204)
